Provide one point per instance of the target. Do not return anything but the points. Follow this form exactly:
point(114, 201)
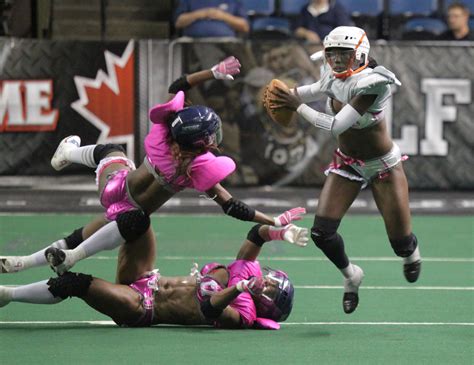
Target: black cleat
point(56, 258)
point(412, 271)
point(350, 302)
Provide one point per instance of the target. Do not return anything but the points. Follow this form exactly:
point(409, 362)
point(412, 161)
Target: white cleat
point(11, 264)
point(350, 300)
point(5, 296)
point(60, 158)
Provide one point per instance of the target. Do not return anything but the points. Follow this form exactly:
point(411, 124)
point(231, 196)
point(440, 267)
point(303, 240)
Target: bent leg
point(136, 257)
point(391, 197)
point(336, 197)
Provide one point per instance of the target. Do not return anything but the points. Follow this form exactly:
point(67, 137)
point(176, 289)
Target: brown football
point(282, 116)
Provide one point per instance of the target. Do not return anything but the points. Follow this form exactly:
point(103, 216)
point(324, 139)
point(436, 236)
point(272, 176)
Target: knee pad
point(254, 237)
point(404, 247)
point(133, 224)
point(102, 150)
point(324, 231)
point(74, 239)
point(69, 285)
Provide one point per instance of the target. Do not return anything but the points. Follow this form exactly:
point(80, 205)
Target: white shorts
point(368, 170)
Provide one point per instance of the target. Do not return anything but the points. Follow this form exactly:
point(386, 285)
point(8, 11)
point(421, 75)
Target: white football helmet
point(352, 38)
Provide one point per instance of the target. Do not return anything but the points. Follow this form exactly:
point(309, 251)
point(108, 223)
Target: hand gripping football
point(282, 116)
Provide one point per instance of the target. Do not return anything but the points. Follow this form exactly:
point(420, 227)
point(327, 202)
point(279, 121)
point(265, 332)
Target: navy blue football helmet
point(279, 303)
point(196, 126)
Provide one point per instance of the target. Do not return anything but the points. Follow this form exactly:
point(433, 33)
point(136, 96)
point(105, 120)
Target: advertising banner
point(49, 90)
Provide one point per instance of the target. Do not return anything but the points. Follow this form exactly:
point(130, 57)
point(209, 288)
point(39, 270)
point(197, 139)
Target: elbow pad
point(180, 84)
point(209, 311)
point(238, 209)
point(338, 124)
point(254, 237)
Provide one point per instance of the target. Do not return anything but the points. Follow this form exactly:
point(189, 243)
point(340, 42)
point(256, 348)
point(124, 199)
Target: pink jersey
point(206, 170)
point(244, 304)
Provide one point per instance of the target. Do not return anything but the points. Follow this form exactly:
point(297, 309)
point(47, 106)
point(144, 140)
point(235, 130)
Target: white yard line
point(296, 258)
point(111, 323)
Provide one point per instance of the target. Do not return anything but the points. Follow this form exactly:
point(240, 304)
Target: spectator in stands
point(211, 18)
point(458, 24)
point(318, 18)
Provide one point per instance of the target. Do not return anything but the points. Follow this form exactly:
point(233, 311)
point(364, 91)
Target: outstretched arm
point(259, 234)
point(224, 70)
point(239, 210)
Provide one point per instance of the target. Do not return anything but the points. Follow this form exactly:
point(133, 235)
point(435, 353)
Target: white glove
point(254, 286)
point(290, 233)
point(194, 271)
point(225, 69)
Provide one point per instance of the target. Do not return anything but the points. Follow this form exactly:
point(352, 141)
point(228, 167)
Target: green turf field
point(429, 322)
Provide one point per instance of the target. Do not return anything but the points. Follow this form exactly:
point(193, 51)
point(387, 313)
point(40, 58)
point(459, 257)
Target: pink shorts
point(146, 286)
point(115, 198)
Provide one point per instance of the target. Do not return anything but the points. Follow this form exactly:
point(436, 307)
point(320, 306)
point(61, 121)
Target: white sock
point(106, 238)
point(83, 155)
point(348, 271)
point(21, 263)
point(36, 293)
point(415, 256)
point(38, 258)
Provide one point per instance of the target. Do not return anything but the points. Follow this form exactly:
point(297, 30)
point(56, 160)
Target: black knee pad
point(74, 239)
point(404, 247)
point(102, 150)
point(69, 285)
point(254, 237)
point(324, 231)
point(133, 224)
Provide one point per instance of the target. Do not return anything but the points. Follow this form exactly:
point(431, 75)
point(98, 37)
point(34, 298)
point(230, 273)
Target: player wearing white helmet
point(358, 91)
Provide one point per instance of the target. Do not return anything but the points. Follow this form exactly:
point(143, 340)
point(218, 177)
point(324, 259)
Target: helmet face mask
point(346, 51)
point(276, 302)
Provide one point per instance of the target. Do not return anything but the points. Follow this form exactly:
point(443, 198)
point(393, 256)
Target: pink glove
point(289, 216)
point(225, 69)
point(253, 286)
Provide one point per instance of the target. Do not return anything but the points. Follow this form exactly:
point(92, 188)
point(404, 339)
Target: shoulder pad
point(380, 76)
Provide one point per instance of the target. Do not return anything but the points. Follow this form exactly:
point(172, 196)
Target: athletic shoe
point(60, 158)
point(10, 264)
point(58, 260)
point(350, 300)
point(412, 271)
point(5, 296)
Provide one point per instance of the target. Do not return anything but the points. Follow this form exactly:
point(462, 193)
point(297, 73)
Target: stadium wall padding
point(102, 92)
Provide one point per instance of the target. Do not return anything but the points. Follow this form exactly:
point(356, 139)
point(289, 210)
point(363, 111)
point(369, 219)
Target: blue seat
point(432, 25)
point(259, 7)
point(471, 23)
point(358, 8)
point(410, 8)
point(468, 3)
point(271, 27)
point(292, 7)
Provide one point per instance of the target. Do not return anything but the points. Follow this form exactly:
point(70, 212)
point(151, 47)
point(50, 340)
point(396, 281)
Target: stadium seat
point(366, 14)
point(409, 8)
point(423, 29)
point(292, 7)
point(471, 23)
point(468, 3)
point(271, 28)
point(260, 7)
point(360, 8)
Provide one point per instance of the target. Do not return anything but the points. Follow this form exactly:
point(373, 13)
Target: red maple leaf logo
point(108, 101)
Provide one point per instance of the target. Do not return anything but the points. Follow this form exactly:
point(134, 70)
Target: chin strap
point(349, 72)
